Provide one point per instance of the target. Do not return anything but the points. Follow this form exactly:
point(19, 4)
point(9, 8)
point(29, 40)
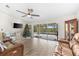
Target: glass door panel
point(52, 29)
point(36, 31)
point(46, 31)
point(43, 31)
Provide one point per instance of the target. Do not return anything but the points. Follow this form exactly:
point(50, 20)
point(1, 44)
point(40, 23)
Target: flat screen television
point(17, 25)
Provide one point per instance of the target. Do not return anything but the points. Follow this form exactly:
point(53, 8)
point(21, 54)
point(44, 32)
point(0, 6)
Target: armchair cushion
point(76, 49)
point(69, 48)
point(63, 50)
point(72, 42)
point(76, 36)
point(64, 45)
point(66, 51)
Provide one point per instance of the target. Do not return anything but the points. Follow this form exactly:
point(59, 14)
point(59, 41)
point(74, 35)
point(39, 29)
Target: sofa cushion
point(66, 51)
point(76, 37)
point(64, 45)
point(63, 48)
point(75, 49)
point(72, 42)
point(58, 49)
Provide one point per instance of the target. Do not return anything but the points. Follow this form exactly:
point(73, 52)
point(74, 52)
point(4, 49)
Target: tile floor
point(38, 47)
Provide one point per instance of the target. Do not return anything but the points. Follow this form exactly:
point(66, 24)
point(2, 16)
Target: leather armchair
point(68, 48)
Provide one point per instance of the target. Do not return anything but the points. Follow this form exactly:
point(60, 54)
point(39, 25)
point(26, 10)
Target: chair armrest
point(64, 41)
point(56, 54)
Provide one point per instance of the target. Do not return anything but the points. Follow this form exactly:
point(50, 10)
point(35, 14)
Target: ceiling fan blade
point(24, 15)
point(35, 15)
point(20, 11)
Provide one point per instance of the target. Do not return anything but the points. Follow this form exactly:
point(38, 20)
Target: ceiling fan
point(29, 14)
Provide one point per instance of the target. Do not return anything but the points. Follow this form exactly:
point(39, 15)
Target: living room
point(18, 21)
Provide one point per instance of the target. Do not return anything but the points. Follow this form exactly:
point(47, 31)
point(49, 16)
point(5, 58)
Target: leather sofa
point(67, 48)
point(12, 48)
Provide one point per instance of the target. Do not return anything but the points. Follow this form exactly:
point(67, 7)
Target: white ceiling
point(45, 10)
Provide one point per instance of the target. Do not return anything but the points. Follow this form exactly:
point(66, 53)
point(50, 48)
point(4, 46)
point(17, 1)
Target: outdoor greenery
point(44, 28)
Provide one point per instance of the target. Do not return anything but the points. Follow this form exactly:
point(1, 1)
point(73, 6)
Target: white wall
point(6, 23)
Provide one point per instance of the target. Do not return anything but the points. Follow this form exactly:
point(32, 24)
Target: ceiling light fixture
point(28, 15)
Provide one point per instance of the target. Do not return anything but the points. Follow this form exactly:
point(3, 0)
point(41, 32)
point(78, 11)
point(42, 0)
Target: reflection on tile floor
point(38, 47)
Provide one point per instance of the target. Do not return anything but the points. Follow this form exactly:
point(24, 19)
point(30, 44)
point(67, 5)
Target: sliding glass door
point(43, 31)
point(36, 31)
point(40, 30)
point(52, 30)
point(46, 31)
